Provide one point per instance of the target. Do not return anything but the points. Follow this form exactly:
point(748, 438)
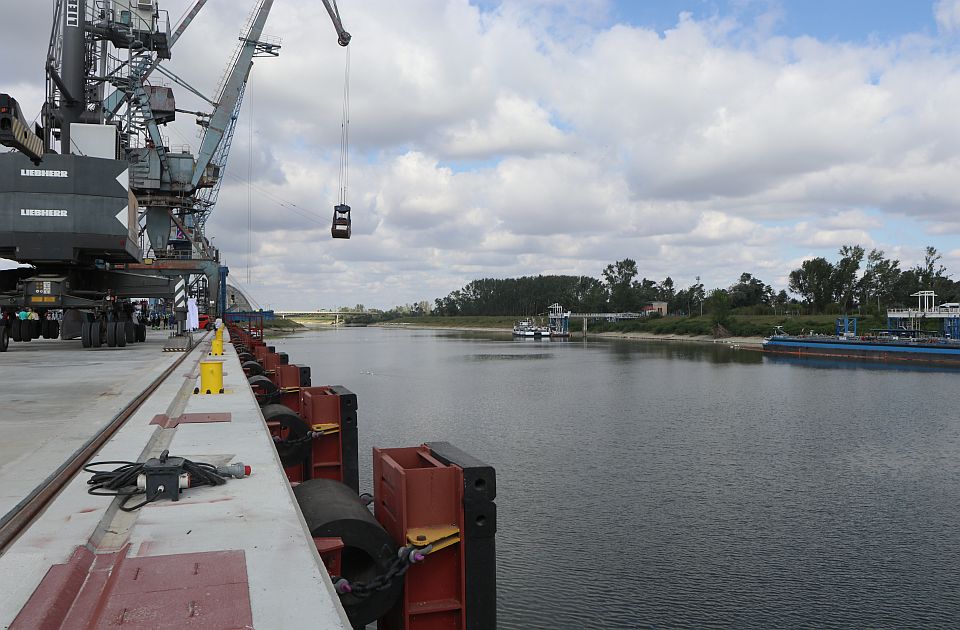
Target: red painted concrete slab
point(189, 418)
point(196, 590)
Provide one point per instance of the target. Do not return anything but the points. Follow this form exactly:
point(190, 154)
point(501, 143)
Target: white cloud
point(947, 13)
point(531, 137)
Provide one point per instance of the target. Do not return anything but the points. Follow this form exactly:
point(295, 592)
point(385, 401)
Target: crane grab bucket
point(341, 221)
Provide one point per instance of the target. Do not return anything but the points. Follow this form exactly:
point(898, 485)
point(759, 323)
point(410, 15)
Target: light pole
point(701, 297)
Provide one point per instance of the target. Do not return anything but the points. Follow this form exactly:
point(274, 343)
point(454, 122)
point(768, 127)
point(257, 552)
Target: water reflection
point(820, 363)
point(684, 351)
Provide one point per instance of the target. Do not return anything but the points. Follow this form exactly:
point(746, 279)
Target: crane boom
point(343, 37)
point(232, 89)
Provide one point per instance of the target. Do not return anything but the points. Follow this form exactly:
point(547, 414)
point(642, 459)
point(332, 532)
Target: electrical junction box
point(163, 478)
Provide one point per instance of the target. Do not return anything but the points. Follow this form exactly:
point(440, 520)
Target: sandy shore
point(637, 336)
point(643, 336)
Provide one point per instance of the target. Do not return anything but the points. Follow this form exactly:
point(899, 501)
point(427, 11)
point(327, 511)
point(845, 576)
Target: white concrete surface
point(55, 395)
point(258, 514)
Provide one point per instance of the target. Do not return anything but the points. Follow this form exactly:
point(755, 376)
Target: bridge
point(610, 317)
point(337, 316)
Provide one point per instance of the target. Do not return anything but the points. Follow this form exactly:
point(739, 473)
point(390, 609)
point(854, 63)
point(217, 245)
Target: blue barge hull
point(869, 350)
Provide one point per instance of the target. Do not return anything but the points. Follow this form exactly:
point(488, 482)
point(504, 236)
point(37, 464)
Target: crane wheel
point(85, 330)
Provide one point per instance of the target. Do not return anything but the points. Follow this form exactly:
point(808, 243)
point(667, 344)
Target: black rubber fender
point(268, 390)
point(252, 367)
point(332, 509)
point(245, 356)
point(296, 428)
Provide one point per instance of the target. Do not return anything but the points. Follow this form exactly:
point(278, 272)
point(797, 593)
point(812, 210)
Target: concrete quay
point(233, 555)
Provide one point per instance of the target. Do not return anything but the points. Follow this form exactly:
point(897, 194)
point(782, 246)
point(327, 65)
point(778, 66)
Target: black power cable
point(161, 478)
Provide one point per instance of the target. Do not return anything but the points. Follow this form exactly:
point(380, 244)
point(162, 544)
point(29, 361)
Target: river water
point(680, 485)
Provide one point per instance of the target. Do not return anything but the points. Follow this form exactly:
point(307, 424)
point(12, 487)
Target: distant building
point(654, 308)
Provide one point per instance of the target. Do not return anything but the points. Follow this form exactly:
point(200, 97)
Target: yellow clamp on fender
point(289, 390)
point(326, 429)
point(436, 537)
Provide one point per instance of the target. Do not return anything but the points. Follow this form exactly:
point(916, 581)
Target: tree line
point(856, 282)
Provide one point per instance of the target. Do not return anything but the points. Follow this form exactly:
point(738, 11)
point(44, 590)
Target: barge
point(871, 348)
point(903, 340)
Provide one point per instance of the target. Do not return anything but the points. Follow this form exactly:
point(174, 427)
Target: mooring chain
point(311, 435)
point(265, 397)
point(406, 557)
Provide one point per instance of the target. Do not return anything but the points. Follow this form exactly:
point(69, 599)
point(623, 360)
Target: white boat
point(526, 328)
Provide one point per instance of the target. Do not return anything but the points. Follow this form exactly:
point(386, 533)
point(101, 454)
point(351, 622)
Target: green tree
point(844, 279)
point(813, 281)
point(880, 279)
point(719, 305)
point(933, 276)
point(780, 301)
point(619, 278)
point(666, 291)
point(749, 291)
point(688, 300)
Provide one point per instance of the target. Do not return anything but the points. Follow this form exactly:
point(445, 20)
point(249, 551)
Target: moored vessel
point(902, 341)
point(528, 328)
point(558, 325)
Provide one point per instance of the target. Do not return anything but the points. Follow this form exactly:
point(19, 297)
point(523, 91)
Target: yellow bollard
point(211, 378)
point(216, 347)
point(219, 334)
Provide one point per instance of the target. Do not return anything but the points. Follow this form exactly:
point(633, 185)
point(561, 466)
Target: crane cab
point(341, 222)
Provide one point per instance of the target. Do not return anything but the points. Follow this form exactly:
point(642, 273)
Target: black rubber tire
point(130, 331)
point(121, 334)
point(296, 428)
point(16, 326)
point(111, 334)
point(26, 330)
point(141, 332)
point(45, 328)
point(246, 356)
point(268, 391)
point(35, 328)
point(54, 329)
point(4, 338)
point(96, 335)
point(252, 367)
point(332, 509)
point(85, 328)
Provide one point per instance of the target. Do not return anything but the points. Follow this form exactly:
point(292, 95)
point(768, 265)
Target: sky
point(702, 138)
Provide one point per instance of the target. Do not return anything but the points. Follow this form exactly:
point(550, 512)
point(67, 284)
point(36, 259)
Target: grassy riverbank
point(739, 326)
point(277, 327)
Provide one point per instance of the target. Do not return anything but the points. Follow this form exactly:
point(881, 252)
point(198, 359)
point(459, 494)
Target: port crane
point(116, 212)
